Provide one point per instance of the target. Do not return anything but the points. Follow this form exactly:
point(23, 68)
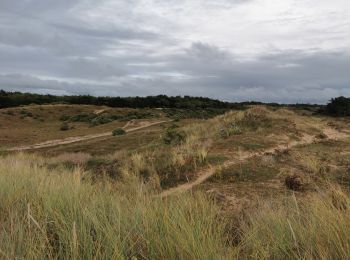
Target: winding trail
point(208, 172)
point(70, 140)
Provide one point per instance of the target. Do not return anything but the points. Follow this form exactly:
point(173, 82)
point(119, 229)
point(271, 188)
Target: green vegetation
point(339, 106)
point(118, 131)
point(201, 113)
point(26, 113)
point(12, 99)
point(99, 119)
point(174, 135)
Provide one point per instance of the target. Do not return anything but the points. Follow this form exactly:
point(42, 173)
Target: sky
point(235, 50)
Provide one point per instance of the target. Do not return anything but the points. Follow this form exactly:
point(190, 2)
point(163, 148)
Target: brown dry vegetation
point(39, 123)
point(266, 183)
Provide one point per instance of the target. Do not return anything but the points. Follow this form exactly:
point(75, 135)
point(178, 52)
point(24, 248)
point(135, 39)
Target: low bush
point(102, 119)
point(178, 113)
point(83, 117)
point(64, 118)
point(174, 136)
point(64, 126)
point(118, 131)
point(26, 113)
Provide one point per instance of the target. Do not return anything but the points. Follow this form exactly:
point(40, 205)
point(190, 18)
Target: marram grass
point(54, 214)
point(61, 214)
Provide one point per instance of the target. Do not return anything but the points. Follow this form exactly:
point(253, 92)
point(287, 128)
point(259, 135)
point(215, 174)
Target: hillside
point(264, 182)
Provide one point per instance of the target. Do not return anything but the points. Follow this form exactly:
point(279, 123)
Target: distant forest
point(13, 99)
point(337, 107)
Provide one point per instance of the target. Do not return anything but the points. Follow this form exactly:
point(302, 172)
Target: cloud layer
point(280, 51)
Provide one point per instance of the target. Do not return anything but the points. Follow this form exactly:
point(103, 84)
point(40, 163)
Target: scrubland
point(278, 188)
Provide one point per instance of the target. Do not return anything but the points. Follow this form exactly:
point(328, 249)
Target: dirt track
point(70, 140)
point(205, 174)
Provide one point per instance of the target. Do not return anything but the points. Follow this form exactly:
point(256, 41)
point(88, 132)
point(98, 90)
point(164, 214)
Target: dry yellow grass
point(317, 227)
point(16, 128)
point(55, 214)
point(62, 214)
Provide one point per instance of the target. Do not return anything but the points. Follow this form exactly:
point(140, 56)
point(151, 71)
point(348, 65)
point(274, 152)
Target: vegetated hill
point(276, 189)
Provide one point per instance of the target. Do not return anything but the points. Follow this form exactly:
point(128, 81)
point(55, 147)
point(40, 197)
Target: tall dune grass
point(314, 228)
point(52, 214)
point(62, 214)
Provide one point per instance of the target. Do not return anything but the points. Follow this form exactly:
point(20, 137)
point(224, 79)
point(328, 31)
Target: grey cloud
point(43, 39)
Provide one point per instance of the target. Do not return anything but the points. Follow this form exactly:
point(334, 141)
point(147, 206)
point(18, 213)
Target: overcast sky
point(235, 50)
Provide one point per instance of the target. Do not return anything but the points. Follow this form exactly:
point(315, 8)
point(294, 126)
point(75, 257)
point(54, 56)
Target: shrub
point(102, 119)
point(339, 106)
point(174, 136)
point(29, 114)
point(118, 131)
point(26, 113)
point(83, 117)
point(295, 182)
point(64, 118)
point(64, 126)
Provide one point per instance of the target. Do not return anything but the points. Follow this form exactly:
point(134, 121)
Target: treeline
point(339, 106)
point(13, 99)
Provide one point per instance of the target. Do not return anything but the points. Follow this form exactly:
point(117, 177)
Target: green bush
point(25, 113)
point(64, 126)
point(118, 131)
point(206, 113)
point(64, 118)
point(174, 136)
point(102, 119)
point(339, 106)
point(83, 117)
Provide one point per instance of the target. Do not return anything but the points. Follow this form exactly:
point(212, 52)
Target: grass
point(40, 123)
point(97, 199)
point(62, 214)
point(55, 214)
point(316, 228)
